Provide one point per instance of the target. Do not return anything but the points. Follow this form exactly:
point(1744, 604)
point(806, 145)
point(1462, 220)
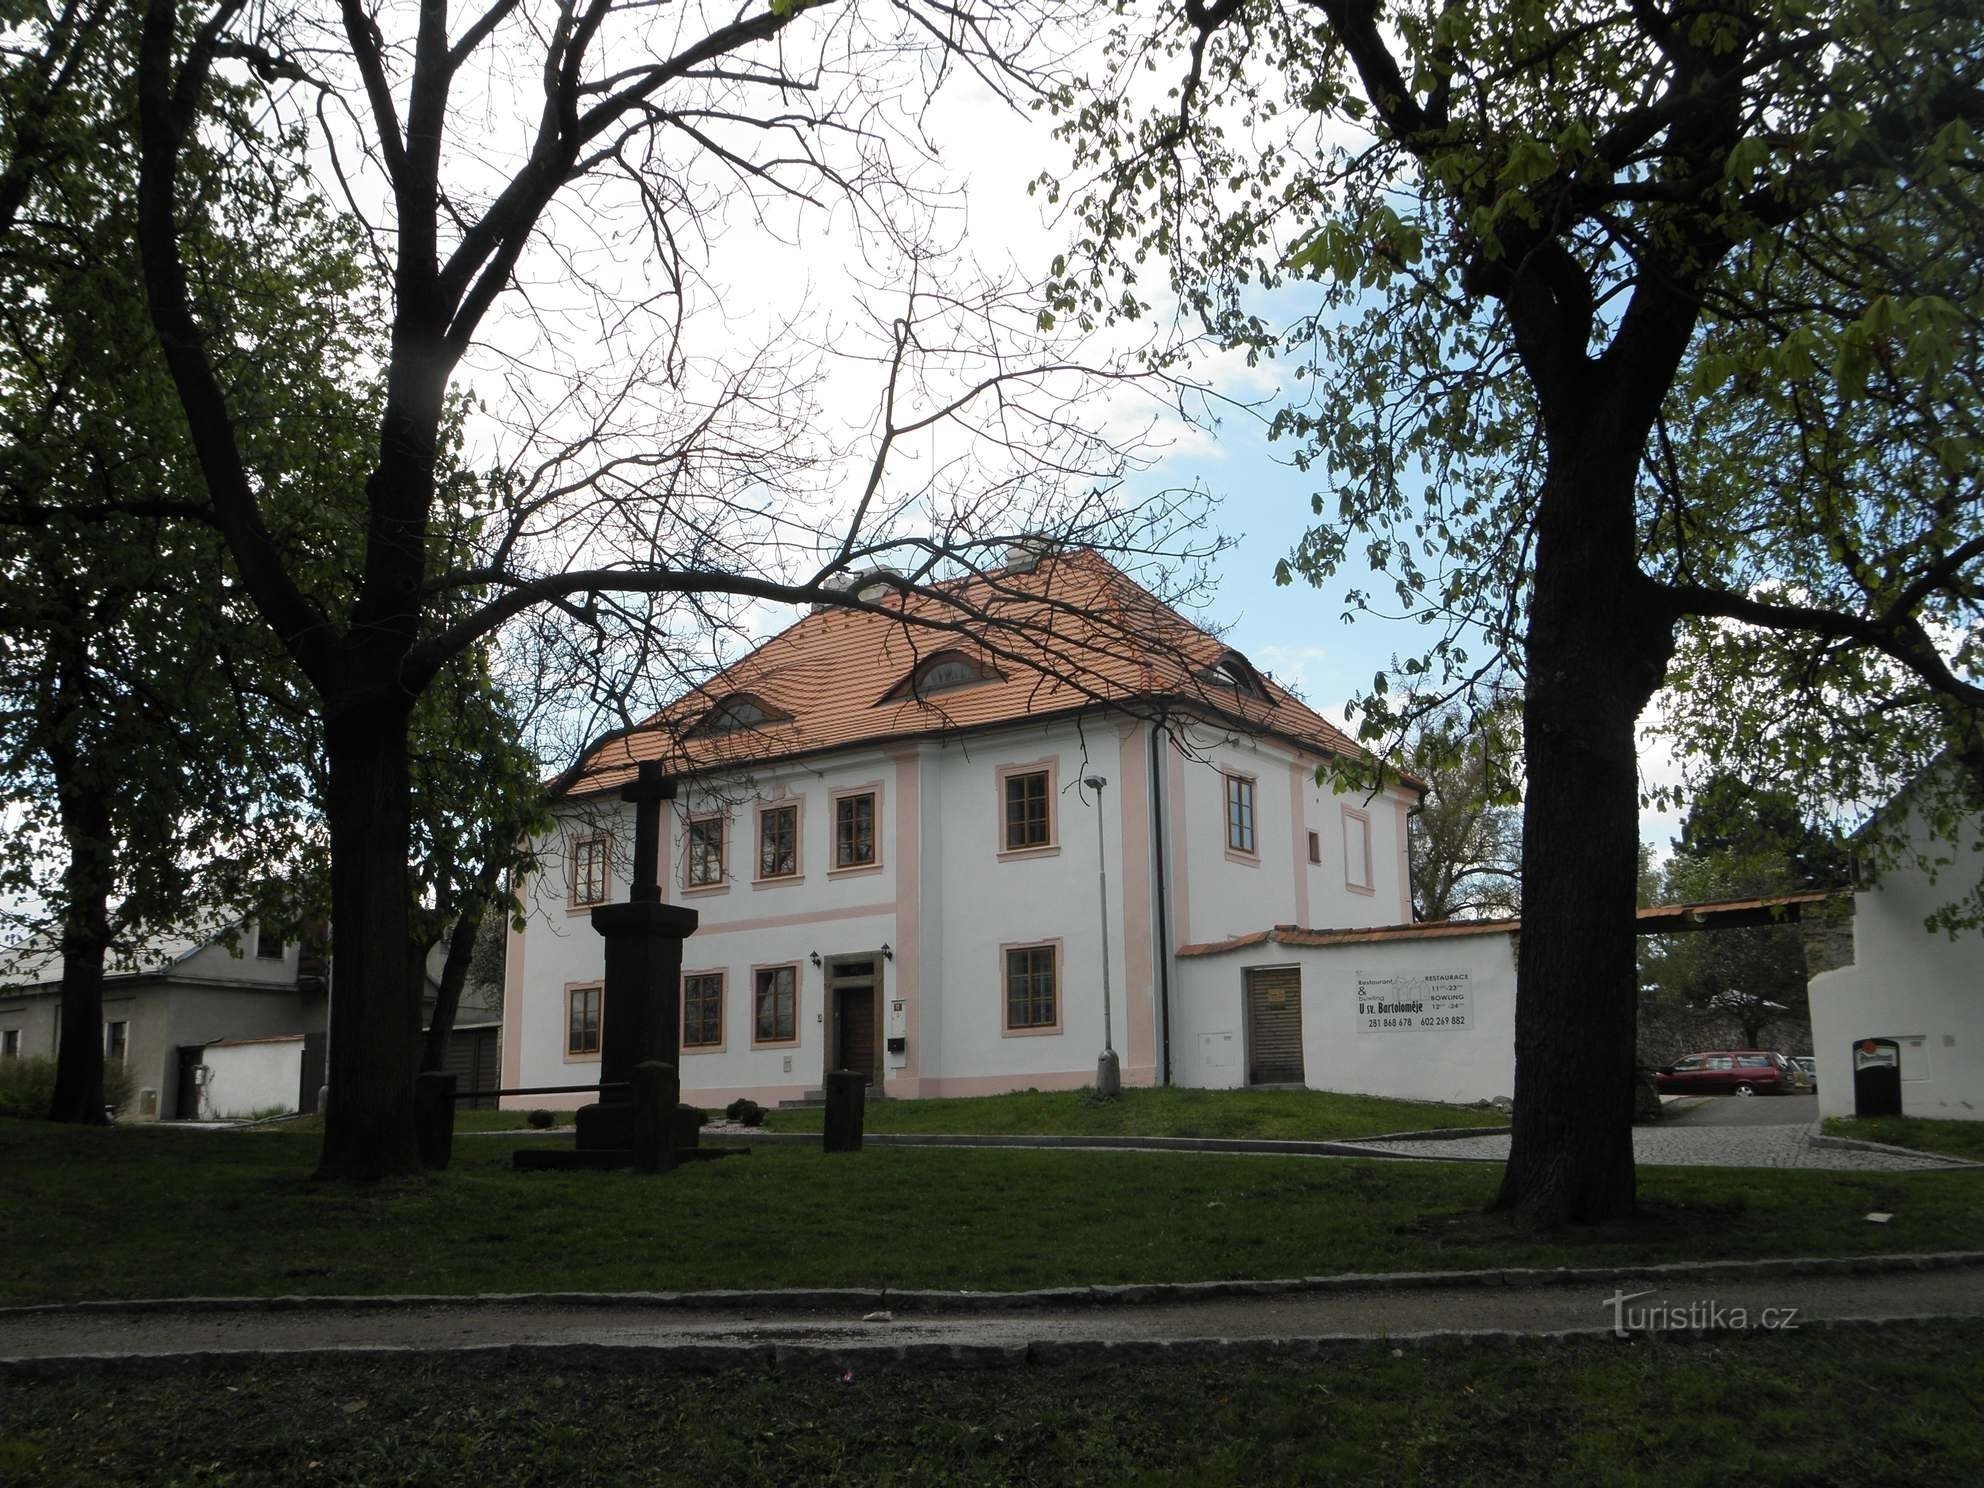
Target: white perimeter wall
point(1209, 1038)
point(245, 1078)
point(1924, 990)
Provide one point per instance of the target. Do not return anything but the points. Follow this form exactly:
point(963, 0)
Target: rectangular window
point(588, 870)
point(116, 1039)
point(702, 1010)
point(1239, 814)
point(1027, 820)
point(854, 830)
point(268, 943)
point(775, 1018)
point(582, 1005)
point(1031, 995)
point(10, 1043)
point(1357, 851)
point(1315, 847)
point(705, 854)
point(778, 842)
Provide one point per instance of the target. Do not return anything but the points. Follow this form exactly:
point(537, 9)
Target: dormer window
point(1235, 671)
point(738, 711)
point(942, 673)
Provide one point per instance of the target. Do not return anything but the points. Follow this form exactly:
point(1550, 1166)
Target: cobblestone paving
point(1700, 1146)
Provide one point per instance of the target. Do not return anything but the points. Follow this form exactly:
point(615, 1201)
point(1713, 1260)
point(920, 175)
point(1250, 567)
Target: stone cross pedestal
point(642, 1002)
point(641, 1016)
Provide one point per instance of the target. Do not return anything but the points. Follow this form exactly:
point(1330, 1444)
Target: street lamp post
point(1108, 1068)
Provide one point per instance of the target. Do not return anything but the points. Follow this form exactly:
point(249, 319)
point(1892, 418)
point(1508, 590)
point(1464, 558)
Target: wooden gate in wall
point(1274, 1025)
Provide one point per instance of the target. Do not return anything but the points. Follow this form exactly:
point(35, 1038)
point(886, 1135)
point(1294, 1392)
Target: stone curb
point(862, 1299)
point(1816, 1137)
point(1345, 1147)
point(785, 1357)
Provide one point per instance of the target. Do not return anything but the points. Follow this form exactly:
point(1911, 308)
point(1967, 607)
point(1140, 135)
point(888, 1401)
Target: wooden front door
point(854, 1007)
point(1274, 1026)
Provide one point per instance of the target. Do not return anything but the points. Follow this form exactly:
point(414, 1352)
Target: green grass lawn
point(1838, 1409)
point(1963, 1139)
point(131, 1211)
point(1313, 1115)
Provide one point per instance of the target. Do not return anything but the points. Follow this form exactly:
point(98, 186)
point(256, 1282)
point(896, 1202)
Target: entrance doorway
point(1274, 1025)
point(854, 1015)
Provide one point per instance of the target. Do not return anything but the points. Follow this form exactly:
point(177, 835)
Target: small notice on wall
point(1439, 1001)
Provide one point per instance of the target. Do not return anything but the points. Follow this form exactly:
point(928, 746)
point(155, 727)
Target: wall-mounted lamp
point(814, 957)
point(887, 954)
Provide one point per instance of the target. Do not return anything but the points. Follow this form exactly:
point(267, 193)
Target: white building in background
point(887, 836)
point(1919, 989)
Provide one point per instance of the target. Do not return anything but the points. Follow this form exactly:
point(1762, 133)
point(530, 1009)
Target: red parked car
point(1731, 1072)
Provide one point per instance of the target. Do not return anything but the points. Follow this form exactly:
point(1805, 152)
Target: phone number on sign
point(1452, 1020)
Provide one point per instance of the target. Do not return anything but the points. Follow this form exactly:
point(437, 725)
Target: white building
point(895, 858)
point(1921, 990)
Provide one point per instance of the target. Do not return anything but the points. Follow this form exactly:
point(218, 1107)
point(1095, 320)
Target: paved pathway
point(1734, 1110)
point(1372, 1313)
point(1686, 1145)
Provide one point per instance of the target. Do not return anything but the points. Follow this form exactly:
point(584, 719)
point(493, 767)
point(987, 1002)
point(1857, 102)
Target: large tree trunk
point(1597, 647)
point(86, 885)
point(375, 1003)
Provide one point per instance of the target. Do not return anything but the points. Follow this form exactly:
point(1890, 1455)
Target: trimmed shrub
point(745, 1112)
point(539, 1120)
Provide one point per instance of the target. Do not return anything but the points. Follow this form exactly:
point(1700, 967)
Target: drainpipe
point(1163, 906)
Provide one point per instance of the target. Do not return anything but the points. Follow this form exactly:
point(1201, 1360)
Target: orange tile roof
point(1658, 919)
point(1073, 633)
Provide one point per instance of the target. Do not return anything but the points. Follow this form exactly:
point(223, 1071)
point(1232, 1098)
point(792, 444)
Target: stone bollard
point(847, 1097)
point(434, 1118)
point(656, 1089)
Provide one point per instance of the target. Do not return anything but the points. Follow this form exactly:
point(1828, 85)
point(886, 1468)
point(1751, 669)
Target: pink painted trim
point(1051, 768)
point(722, 976)
point(713, 1095)
point(572, 845)
point(800, 917)
point(1368, 884)
point(798, 1003)
point(906, 983)
point(565, 1029)
point(1045, 1030)
point(721, 883)
point(1176, 828)
point(1251, 856)
point(1139, 936)
point(1298, 816)
point(513, 1007)
point(796, 804)
point(834, 798)
point(1404, 859)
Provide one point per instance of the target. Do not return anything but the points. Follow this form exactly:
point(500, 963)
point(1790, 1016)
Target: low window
point(116, 1039)
point(582, 1006)
point(1029, 822)
point(1032, 998)
point(10, 1043)
point(778, 842)
point(854, 830)
point(775, 1017)
point(1316, 847)
point(705, 854)
point(268, 943)
point(702, 1010)
point(1239, 813)
point(589, 870)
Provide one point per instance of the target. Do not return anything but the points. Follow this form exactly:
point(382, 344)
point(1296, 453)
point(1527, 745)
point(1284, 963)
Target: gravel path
point(1700, 1146)
point(1366, 1314)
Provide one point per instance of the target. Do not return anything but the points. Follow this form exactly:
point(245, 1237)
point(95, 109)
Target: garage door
point(1274, 1026)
